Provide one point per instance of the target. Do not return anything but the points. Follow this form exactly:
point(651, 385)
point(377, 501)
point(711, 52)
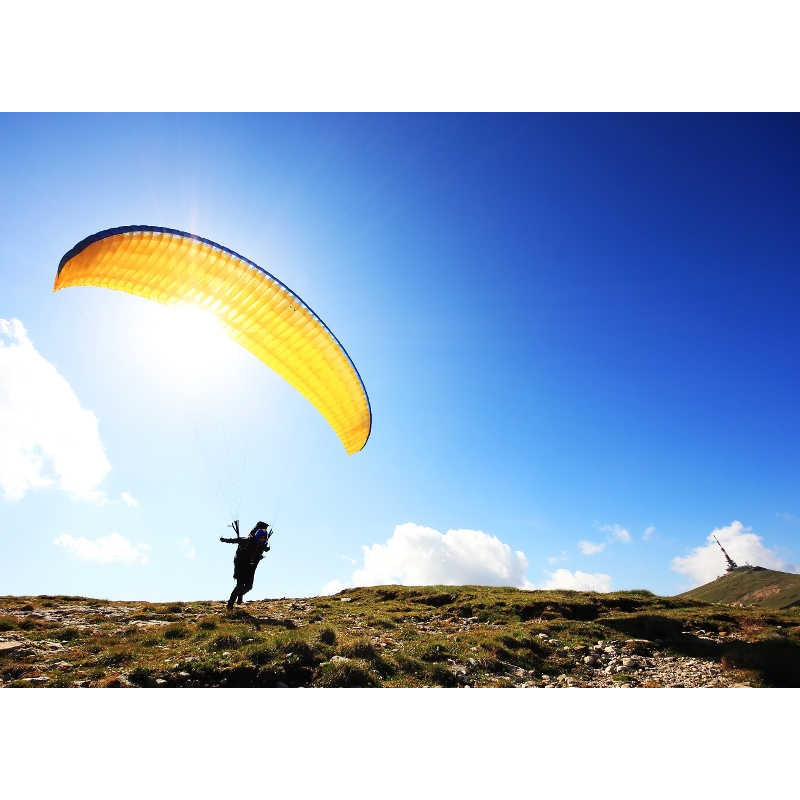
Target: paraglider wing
point(255, 308)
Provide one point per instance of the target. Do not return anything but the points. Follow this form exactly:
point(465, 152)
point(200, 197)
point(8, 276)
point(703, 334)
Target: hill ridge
point(750, 586)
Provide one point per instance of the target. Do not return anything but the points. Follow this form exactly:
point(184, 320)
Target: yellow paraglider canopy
point(254, 307)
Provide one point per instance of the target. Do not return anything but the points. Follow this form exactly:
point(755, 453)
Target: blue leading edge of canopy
point(96, 237)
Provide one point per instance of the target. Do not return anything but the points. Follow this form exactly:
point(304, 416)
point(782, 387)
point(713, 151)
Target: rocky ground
point(399, 636)
point(641, 662)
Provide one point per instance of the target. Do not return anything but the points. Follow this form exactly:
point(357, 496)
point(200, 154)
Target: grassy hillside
point(750, 586)
point(399, 636)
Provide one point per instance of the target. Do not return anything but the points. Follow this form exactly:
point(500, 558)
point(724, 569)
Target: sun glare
point(189, 341)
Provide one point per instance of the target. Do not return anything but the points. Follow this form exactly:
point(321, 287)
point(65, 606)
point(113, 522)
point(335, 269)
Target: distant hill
point(750, 586)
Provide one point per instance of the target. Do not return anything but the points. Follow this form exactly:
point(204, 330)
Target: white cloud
point(418, 556)
point(47, 438)
point(705, 563)
point(616, 532)
point(332, 587)
point(111, 549)
point(580, 581)
point(189, 550)
point(648, 532)
point(129, 500)
point(562, 556)
point(590, 548)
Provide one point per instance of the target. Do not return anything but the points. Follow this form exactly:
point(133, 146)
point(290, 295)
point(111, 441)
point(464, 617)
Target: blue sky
point(572, 328)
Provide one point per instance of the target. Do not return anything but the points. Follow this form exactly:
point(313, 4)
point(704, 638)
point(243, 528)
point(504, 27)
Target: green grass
point(347, 674)
point(8, 623)
point(383, 636)
point(760, 588)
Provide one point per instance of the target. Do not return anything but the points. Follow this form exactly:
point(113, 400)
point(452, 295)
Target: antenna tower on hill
point(732, 565)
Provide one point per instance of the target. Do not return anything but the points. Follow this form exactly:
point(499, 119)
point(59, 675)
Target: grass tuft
point(177, 631)
point(327, 636)
point(347, 674)
point(226, 642)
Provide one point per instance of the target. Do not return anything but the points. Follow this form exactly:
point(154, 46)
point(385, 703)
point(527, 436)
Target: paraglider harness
point(246, 548)
point(249, 551)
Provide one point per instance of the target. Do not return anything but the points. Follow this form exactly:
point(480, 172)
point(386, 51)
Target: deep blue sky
point(563, 322)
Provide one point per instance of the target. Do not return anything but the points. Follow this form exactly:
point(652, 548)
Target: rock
point(7, 647)
point(345, 599)
point(543, 636)
point(339, 659)
point(640, 646)
point(160, 682)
